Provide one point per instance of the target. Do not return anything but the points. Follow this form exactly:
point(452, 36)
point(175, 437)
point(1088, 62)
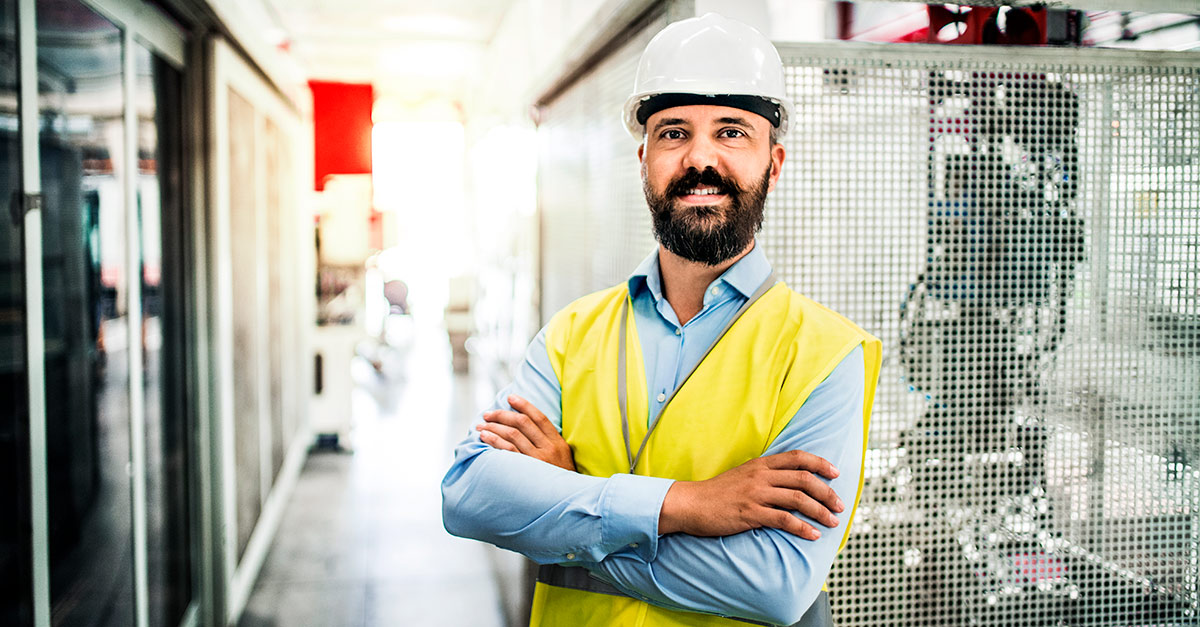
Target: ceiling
point(421, 50)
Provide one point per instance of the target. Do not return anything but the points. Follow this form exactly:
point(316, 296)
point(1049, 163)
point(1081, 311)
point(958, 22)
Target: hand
point(759, 493)
point(526, 431)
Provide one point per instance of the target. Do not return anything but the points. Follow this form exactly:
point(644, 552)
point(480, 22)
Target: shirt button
point(678, 331)
point(662, 397)
point(716, 290)
point(633, 545)
point(570, 556)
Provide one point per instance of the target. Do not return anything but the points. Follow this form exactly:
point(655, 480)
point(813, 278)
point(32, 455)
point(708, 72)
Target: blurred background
point(262, 263)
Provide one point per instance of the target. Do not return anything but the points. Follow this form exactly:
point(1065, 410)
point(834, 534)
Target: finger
point(520, 422)
point(785, 521)
point(496, 441)
point(535, 414)
point(809, 484)
point(798, 501)
point(802, 460)
point(509, 434)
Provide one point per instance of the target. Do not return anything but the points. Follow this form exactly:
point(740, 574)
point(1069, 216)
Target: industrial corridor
point(599, 313)
point(361, 541)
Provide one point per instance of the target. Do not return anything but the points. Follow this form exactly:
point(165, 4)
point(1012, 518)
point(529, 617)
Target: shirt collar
point(647, 276)
point(745, 275)
point(749, 272)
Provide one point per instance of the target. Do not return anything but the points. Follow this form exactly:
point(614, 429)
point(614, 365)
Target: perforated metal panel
point(1021, 227)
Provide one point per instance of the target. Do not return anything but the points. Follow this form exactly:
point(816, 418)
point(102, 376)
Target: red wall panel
point(341, 129)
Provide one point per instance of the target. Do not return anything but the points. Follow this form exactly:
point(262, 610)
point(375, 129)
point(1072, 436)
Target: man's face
point(706, 171)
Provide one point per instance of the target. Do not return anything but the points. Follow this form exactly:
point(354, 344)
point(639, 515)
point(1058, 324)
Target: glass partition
point(163, 242)
point(86, 328)
point(15, 566)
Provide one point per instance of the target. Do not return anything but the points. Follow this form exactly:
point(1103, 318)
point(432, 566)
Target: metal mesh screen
point(1021, 228)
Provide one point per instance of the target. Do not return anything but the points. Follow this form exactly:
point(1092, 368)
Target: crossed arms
point(731, 545)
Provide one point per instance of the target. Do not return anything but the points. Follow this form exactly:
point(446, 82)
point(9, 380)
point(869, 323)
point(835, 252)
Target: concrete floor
point(361, 543)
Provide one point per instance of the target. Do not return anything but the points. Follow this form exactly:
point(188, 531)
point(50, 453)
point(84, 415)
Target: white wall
point(532, 40)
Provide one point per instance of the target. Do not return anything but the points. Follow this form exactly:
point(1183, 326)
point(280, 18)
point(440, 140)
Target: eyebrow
point(668, 122)
point(739, 121)
point(726, 120)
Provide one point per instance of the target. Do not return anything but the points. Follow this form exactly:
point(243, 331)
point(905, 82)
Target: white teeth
point(703, 192)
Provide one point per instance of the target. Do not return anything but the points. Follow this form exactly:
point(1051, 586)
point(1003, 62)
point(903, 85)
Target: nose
point(701, 152)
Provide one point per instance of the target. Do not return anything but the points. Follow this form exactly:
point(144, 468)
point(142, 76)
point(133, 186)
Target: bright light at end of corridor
point(418, 166)
point(420, 170)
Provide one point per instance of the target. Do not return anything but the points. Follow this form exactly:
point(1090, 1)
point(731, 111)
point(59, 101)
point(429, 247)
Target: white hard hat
point(709, 60)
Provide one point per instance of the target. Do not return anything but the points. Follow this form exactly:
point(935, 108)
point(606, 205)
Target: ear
point(777, 155)
point(642, 152)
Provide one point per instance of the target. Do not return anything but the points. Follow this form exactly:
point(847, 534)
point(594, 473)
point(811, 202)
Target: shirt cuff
point(631, 507)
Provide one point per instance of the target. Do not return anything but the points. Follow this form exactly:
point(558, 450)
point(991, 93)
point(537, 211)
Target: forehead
point(707, 115)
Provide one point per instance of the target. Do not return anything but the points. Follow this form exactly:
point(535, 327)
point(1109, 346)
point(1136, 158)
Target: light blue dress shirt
point(610, 525)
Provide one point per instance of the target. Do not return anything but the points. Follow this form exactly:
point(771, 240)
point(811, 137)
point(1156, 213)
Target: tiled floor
point(361, 543)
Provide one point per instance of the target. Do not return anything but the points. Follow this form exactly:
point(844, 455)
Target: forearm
point(546, 513)
point(765, 574)
point(760, 574)
point(540, 510)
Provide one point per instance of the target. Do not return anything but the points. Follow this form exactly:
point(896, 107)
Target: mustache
point(694, 178)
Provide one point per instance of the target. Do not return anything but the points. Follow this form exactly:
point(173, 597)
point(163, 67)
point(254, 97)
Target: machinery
point(979, 329)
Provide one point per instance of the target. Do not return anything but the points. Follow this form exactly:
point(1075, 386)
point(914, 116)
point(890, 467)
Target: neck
point(684, 281)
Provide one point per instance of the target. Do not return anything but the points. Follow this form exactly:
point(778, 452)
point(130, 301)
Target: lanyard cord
point(621, 383)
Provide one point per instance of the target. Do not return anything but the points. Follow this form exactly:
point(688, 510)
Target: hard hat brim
point(638, 129)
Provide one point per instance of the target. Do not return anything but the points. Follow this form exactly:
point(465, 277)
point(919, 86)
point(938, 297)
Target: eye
point(672, 133)
point(731, 133)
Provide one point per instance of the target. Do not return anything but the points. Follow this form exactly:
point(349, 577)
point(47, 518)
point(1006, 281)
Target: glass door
point(95, 462)
point(163, 246)
point(15, 540)
point(87, 326)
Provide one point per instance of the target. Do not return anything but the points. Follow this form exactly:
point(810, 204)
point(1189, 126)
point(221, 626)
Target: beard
point(707, 234)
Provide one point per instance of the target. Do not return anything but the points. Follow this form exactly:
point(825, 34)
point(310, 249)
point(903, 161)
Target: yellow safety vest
point(729, 411)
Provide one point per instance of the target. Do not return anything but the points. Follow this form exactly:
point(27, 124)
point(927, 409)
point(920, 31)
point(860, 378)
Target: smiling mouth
point(702, 188)
point(702, 195)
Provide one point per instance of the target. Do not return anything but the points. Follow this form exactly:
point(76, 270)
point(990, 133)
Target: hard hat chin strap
point(753, 104)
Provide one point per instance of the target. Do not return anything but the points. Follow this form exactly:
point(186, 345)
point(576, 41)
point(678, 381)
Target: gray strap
point(819, 614)
point(574, 578)
point(621, 380)
point(621, 383)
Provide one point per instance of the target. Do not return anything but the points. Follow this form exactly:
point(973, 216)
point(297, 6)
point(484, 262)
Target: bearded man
point(679, 449)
